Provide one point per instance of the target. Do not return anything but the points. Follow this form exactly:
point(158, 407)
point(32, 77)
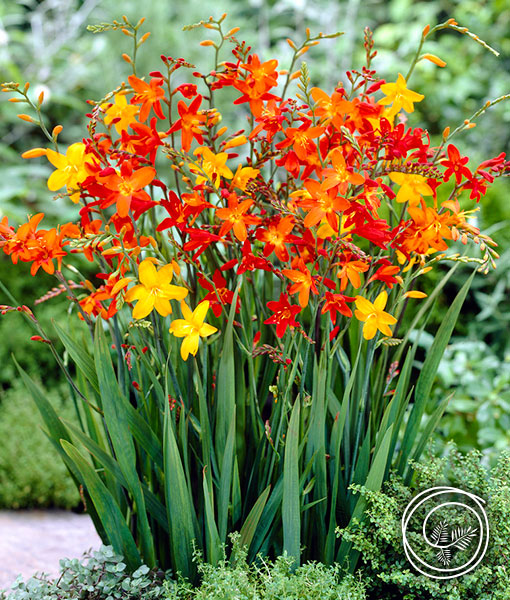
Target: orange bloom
point(38, 247)
point(322, 203)
point(255, 88)
point(300, 138)
point(350, 272)
point(189, 123)
point(303, 282)
point(235, 217)
point(128, 183)
point(276, 236)
point(338, 175)
point(330, 109)
point(149, 95)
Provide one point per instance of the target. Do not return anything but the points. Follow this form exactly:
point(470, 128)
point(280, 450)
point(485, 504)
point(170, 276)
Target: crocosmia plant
point(243, 296)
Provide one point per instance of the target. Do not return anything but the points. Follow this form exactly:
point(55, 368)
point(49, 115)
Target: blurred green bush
point(31, 472)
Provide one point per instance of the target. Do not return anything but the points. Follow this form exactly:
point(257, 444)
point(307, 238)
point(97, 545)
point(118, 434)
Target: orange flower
point(303, 281)
point(300, 138)
point(235, 217)
point(127, 184)
point(38, 247)
point(350, 272)
point(338, 175)
point(322, 203)
point(189, 123)
point(330, 109)
point(149, 95)
point(255, 88)
point(276, 236)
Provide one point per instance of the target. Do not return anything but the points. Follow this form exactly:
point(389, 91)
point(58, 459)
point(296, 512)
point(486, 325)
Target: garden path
point(35, 540)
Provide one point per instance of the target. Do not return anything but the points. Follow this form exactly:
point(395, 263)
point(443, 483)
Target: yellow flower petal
point(380, 301)
point(143, 307)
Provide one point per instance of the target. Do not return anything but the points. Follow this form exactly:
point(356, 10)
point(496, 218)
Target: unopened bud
point(434, 59)
point(26, 118)
point(34, 153)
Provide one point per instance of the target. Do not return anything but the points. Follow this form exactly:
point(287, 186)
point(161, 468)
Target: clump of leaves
point(98, 576)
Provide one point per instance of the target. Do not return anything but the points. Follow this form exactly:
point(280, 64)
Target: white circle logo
point(454, 532)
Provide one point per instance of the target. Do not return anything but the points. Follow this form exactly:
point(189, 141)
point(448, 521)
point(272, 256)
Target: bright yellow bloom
point(121, 111)
point(70, 170)
point(212, 166)
point(192, 328)
point(243, 175)
point(399, 96)
point(373, 315)
point(412, 187)
point(154, 290)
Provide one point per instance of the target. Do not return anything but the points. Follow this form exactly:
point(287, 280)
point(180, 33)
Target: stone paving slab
point(35, 540)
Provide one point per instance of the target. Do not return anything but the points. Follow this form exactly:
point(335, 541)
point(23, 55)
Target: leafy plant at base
point(260, 422)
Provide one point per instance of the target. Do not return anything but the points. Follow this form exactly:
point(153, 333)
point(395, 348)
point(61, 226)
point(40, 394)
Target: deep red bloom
point(455, 165)
point(218, 294)
point(284, 315)
point(336, 303)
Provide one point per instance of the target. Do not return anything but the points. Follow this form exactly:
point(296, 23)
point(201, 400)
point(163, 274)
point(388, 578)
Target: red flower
point(387, 273)
point(250, 262)
point(336, 303)
point(218, 294)
point(455, 165)
point(284, 315)
point(276, 236)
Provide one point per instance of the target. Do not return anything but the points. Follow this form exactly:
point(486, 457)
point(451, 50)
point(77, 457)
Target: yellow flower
point(120, 111)
point(243, 175)
point(399, 96)
point(192, 328)
point(154, 290)
point(212, 166)
point(412, 187)
point(373, 315)
point(70, 170)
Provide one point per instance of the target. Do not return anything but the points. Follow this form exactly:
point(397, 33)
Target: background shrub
point(31, 472)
